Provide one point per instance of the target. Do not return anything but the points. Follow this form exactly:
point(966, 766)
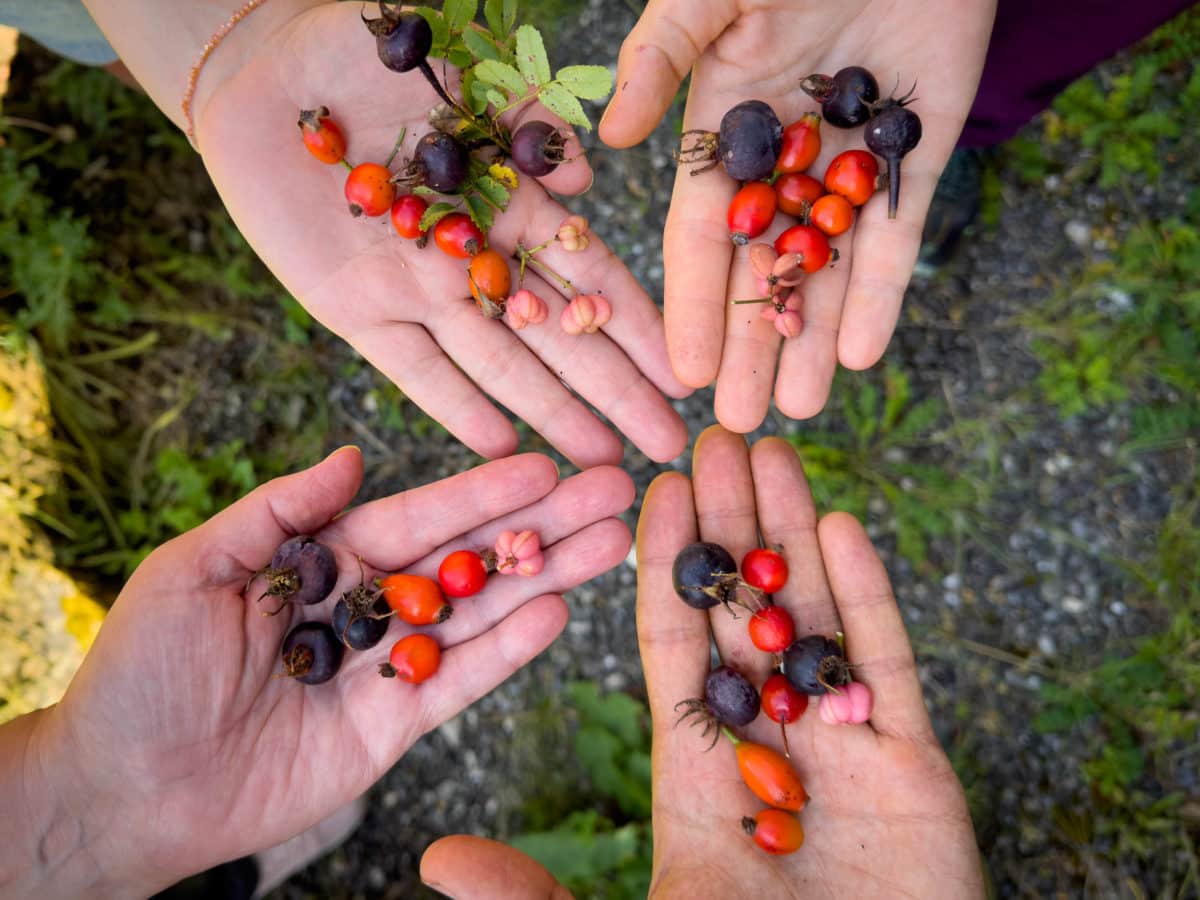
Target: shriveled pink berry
point(789, 269)
point(587, 313)
point(573, 233)
point(851, 705)
point(784, 313)
point(762, 259)
point(519, 553)
point(525, 308)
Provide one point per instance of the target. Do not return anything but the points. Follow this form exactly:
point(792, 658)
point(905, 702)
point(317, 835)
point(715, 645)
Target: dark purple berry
point(704, 574)
point(892, 133)
point(403, 39)
point(311, 653)
point(749, 141)
point(731, 697)
point(301, 571)
point(537, 148)
point(358, 631)
point(845, 98)
point(814, 664)
point(442, 162)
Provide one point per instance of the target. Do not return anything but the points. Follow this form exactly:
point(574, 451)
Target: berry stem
point(729, 734)
point(396, 147)
point(427, 71)
point(345, 162)
point(527, 258)
point(755, 300)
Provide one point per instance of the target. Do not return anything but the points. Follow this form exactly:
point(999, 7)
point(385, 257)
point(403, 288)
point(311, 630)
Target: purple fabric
point(1039, 47)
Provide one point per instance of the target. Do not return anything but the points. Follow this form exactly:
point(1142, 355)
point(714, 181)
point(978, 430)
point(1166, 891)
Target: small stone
point(1078, 233)
point(1046, 645)
point(1073, 605)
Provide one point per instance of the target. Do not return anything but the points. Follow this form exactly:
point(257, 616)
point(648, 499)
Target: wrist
point(63, 838)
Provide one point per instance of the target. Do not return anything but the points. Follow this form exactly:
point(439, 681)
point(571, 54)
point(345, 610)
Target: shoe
point(954, 208)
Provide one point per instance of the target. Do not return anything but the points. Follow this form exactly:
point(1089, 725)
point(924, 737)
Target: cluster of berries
point(705, 575)
point(304, 571)
point(772, 161)
point(470, 181)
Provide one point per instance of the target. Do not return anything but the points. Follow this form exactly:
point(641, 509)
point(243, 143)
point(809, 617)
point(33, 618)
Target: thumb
point(465, 868)
point(655, 58)
point(248, 531)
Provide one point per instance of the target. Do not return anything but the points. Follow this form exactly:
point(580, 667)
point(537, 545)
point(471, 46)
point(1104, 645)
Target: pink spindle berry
point(573, 233)
point(519, 553)
point(586, 314)
point(787, 320)
point(762, 259)
point(850, 706)
point(525, 308)
point(789, 269)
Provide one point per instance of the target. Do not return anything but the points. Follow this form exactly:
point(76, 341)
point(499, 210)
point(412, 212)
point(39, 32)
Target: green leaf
point(435, 214)
point(459, 57)
point(587, 82)
point(480, 46)
point(480, 213)
point(493, 191)
point(441, 31)
point(459, 13)
point(502, 75)
point(563, 104)
point(496, 99)
point(501, 16)
point(531, 56)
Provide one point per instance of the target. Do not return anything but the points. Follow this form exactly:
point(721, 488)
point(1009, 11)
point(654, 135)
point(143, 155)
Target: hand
point(404, 308)
point(887, 816)
point(760, 49)
point(177, 747)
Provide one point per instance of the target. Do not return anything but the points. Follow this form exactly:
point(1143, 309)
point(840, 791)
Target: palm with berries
point(409, 310)
point(180, 723)
point(763, 49)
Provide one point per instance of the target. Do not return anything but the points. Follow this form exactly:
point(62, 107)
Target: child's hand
point(178, 747)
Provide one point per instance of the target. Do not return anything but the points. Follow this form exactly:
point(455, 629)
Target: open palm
point(178, 724)
point(887, 817)
point(761, 49)
point(408, 310)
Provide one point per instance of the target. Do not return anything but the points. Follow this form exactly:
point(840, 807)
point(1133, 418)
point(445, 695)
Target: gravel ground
point(1024, 588)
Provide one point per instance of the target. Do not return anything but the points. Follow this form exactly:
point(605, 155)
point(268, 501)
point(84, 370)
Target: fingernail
point(353, 447)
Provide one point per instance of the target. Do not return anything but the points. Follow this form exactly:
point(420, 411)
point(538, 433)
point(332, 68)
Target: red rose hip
point(369, 190)
point(462, 574)
point(751, 212)
point(854, 175)
point(808, 242)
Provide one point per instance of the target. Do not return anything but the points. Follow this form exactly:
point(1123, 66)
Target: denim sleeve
point(64, 26)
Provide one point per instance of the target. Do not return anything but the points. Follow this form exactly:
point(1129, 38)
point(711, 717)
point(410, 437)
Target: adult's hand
point(742, 49)
point(177, 746)
point(406, 310)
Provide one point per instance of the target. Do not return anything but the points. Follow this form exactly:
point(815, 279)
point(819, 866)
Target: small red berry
point(456, 235)
point(488, 275)
point(776, 831)
point(807, 242)
point(801, 144)
point(751, 211)
point(796, 193)
point(833, 214)
point(782, 703)
point(765, 569)
point(772, 629)
point(406, 216)
point(854, 174)
point(413, 659)
point(415, 599)
point(369, 190)
point(462, 574)
point(322, 136)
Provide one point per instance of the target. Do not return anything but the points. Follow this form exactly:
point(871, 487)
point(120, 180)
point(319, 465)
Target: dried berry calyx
point(311, 653)
point(846, 97)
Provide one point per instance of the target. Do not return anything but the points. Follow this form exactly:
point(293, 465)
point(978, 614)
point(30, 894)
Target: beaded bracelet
point(212, 44)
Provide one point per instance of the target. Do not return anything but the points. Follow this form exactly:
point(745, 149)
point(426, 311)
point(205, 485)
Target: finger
point(673, 639)
point(392, 532)
point(876, 639)
point(498, 361)
point(574, 176)
point(636, 325)
point(788, 519)
point(472, 669)
point(748, 359)
point(655, 58)
point(406, 354)
point(725, 509)
point(242, 538)
point(473, 868)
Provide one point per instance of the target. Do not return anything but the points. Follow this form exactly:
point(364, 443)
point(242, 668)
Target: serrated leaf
point(496, 99)
point(501, 75)
point(531, 56)
point(563, 104)
point(498, 23)
point(480, 213)
point(459, 57)
point(480, 46)
point(459, 13)
point(493, 191)
point(435, 214)
point(478, 98)
point(437, 24)
point(587, 82)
